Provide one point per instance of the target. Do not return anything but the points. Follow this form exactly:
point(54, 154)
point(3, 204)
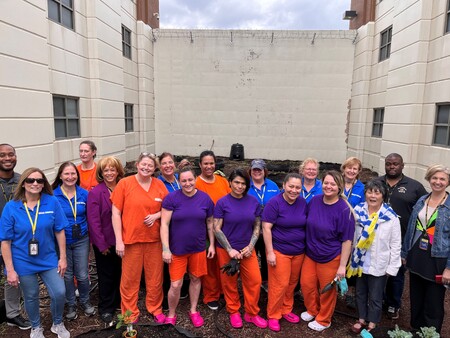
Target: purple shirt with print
point(238, 216)
point(327, 226)
point(289, 224)
point(187, 228)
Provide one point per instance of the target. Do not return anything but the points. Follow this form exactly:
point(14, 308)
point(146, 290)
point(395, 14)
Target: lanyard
point(349, 194)
point(177, 187)
point(33, 224)
point(7, 198)
point(72, 206)
point(261, 197)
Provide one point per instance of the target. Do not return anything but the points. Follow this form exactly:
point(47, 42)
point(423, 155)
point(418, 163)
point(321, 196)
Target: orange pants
point(315, 276)
point(283, 278)
point(138, 256)
point(251, 284)
point(211, 282)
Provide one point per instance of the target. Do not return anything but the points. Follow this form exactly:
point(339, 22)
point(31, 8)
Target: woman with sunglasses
point(32, 226)
point(136, 214)
point(73, 200)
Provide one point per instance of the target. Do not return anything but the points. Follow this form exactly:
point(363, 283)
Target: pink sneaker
point(160, 319)
point(274, 325)
point(291, 318)
point(236, 320)
point(171, 320)
point(196, 319)
point(257, 320)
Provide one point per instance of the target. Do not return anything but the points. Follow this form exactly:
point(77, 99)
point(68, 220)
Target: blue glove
point(342, 285)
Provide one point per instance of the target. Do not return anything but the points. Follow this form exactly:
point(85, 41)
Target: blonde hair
point(350, 162)
point(109, 161)
point(305, 162)
point(437, 168)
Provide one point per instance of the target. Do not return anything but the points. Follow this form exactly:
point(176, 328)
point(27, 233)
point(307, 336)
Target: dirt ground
point(216, 322)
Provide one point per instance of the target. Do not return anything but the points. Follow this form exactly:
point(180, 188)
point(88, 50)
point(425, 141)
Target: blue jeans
point(77, 265)
point(56, 290)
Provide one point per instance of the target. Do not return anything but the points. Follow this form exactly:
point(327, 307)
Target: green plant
point(397, 333)
point(428, 332)
point(125, 319)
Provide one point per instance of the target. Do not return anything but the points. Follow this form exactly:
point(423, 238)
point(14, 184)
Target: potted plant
point(125, 319)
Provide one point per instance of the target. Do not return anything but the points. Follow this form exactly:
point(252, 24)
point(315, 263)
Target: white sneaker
point(60, 330)
point(37, 332)
point(317, 327)
point(306, 316)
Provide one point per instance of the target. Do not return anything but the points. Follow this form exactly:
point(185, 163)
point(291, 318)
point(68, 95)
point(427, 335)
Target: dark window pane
point(67, 19)
point(440, 136)
point(73, 128)
point(60, 129)
point(448, 23)
point(72, 110)
point(58, 106)
point(67, 3)
point(53, 10)
point(443, 114)
point(380, 132)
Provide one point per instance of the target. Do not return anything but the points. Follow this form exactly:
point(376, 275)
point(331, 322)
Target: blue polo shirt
point(15, 227)
point(355, 195)
point(268, 190)
point(171, 186)
point(81, 220)
point(316, 190)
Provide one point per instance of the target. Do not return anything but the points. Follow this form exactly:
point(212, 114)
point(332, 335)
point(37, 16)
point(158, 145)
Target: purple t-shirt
point(238, 216)
point(327, 226)
point(289, 224)
point(187, 228)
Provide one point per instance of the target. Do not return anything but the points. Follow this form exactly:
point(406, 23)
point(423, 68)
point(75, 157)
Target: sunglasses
point(32, 180)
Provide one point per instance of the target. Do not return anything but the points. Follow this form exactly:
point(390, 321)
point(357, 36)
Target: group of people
point(312, 232)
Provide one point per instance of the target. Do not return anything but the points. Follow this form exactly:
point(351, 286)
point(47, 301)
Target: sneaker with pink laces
point(291, 317)
point(236, 320)
point(160, 319)
point(171, 320)
point(257, 320)
point(196, 319)
point(274, 324)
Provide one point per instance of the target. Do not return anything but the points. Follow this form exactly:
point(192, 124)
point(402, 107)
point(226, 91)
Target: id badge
point(423, 245)
point(33, 247)
point(76, 231)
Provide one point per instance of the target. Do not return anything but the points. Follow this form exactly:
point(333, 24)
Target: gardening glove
point(231, 268)
point(342, 286)
point(366, 334)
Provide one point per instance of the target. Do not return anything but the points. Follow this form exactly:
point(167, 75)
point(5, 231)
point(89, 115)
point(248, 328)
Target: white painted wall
point(40, 58)
point(409, 85)
point(282, 97)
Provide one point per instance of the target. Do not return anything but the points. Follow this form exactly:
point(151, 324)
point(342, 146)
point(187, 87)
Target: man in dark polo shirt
point(8, 182)
point(402, 194)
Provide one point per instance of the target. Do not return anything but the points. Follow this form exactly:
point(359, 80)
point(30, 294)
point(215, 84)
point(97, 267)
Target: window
point(385, 44)
point(61, 11)
point(377, 125)
point(126, 42)
point(67, 120)
point(442, 125)
point(447, 21)
point(129, 125)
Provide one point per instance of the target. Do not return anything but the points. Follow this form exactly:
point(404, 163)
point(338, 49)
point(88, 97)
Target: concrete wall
point(40, 58)
point(409, 85)
point(282, 94)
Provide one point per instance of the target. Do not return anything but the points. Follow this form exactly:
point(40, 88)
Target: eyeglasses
point(147, 155)
point(30, 180)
